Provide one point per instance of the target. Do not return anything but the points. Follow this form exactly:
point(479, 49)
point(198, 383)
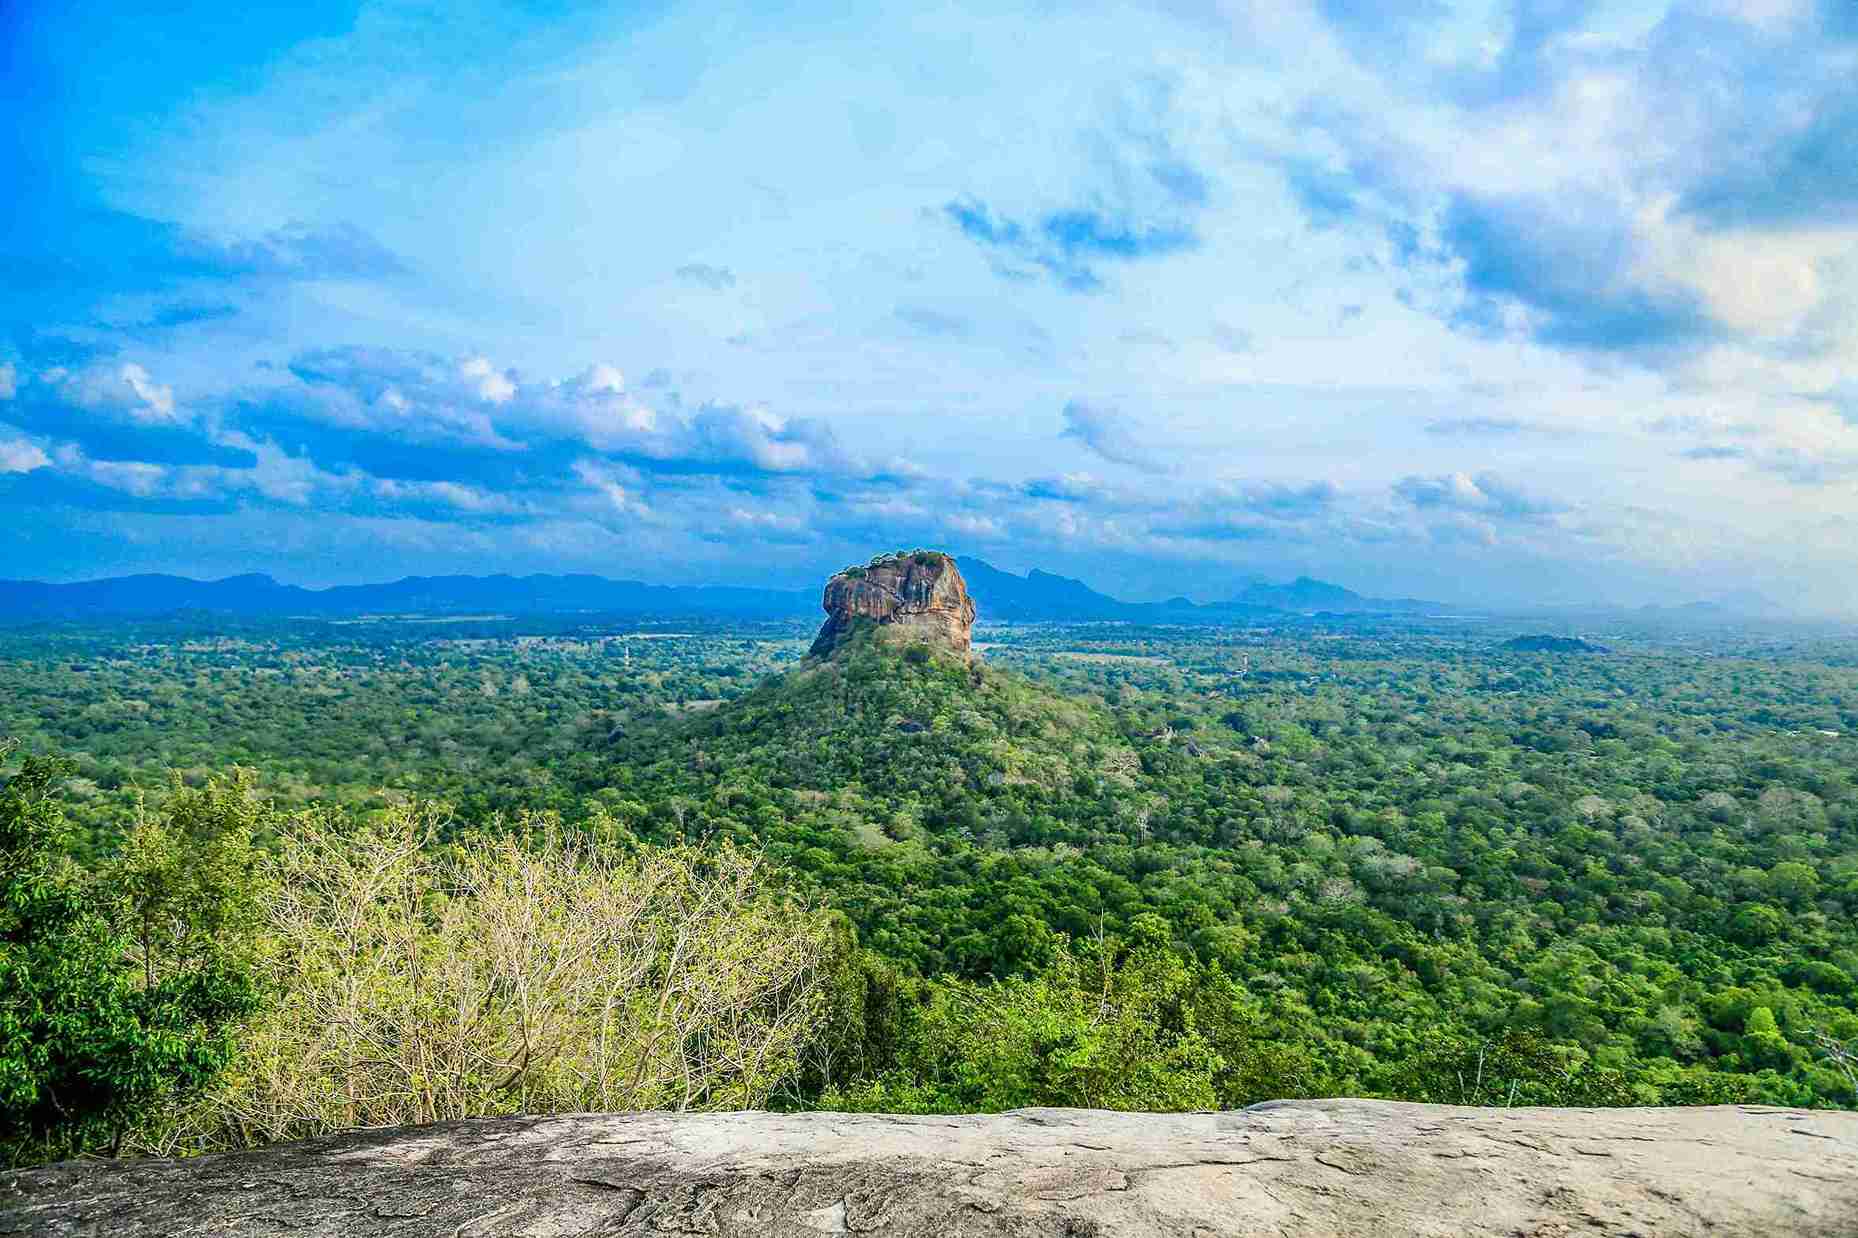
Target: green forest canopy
point(1373, 860)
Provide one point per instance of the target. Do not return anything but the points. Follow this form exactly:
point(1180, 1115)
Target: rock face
point(915, 598)
point(1301, 1168)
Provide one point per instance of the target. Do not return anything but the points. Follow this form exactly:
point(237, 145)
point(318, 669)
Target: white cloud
point(976, 526)
point(1609, 125)
point(451, 494)
point(491, 385)
point(155, 401)
point(1764, 284)
point(609, 483)
point(127, 390)
point(135, 477)
point(764, 519)
point(593, 406)
point(17, 455)
point(604, 377)
point(289, 479)
point(9, 380)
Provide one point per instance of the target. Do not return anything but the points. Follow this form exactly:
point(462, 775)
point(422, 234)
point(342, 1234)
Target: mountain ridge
point(1037, 596)
point(1000, 595)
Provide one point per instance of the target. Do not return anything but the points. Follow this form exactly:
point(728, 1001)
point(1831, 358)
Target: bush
point(1095, 1028)
point(419, 982)
point(1520, 1068)
point(121, 989)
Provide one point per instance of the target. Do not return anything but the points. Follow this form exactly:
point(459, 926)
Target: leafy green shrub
point(120, 989)
point(1519, 1068)
point(1099, 1026)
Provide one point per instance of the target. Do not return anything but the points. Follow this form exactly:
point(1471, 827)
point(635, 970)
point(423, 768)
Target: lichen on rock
point(914, 597)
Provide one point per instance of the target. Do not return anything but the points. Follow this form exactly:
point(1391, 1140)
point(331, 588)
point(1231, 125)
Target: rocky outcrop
point(917, 598)
point(1360, 1168)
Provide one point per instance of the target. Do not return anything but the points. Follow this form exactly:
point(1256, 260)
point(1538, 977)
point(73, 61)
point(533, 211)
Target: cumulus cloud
point(447, 494)
point(1620, 217)
point(416, 397)
point(1485, 495)
point(273, 474)
point(474, 403)
point(18, 455)
point(136, 477)
point(1568, 268)
point(1682, 192)
point(985, 528)
point(127, 392)
point(1278, 512)
point(154, 402)
point(492, 387)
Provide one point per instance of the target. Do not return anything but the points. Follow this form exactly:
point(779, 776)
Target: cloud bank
point(1517, 301)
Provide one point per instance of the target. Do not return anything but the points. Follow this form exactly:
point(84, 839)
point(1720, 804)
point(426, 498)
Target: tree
point(91, 1035)
point(1518, 1069)
point(537, 970)
point(1099, 1026)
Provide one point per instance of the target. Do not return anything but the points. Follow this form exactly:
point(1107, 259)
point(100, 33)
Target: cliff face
point(1370, 1169)
point(912, 598)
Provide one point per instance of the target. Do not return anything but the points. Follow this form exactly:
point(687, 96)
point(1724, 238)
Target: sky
point(1516, 301)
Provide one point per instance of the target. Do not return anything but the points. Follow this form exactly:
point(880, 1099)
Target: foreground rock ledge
point(1291, 1167)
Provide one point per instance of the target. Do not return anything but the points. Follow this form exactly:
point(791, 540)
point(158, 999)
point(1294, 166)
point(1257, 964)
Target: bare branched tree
point(1842, 1054)
point(419, 981)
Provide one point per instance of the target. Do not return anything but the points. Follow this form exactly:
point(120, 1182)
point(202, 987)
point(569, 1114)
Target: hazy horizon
point(1746, 602)
point(1518, 302)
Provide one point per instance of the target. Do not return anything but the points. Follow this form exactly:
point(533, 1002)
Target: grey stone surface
point(1343, 1167)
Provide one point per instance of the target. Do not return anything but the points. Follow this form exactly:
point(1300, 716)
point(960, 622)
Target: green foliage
point(1141, 1031)
point(532, 971)
point(1519, 1068)
point(119, 989)
point(1390, 846)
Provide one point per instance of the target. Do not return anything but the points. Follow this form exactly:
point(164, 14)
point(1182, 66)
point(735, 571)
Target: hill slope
point(1378, 919)
point(887, 777)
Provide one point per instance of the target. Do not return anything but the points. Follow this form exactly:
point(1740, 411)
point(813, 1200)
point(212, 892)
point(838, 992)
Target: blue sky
point(1523, 300)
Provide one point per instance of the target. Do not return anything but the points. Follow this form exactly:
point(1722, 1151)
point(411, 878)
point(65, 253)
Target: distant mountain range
point(257, 595)
point(1041, 595)
point(1038, 595)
